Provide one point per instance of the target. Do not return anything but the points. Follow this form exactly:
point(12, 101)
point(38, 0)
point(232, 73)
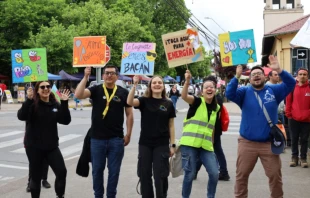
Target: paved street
point(14, 163)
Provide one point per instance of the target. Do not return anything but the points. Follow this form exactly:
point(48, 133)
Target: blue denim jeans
point(189, 160)
point(220, 156)
point(174, 100)
point(101, 150)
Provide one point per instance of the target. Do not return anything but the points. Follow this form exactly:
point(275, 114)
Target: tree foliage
point(53, 24)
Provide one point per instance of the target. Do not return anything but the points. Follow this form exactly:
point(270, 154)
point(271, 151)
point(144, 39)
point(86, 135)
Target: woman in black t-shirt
point(157, 131)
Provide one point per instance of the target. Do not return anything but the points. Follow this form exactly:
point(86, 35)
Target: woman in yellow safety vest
point(197, 137)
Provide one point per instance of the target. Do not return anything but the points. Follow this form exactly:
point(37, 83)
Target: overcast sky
point(234, 15)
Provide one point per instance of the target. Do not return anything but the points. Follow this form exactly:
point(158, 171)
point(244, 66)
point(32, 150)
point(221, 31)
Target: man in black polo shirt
point(107, 132)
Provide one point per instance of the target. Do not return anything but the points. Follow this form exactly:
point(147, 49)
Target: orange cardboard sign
point(90, 51)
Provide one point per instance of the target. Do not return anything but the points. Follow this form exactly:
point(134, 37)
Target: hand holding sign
point(136, 79)
point(239, 71)
point(188, 76)
point(87, 72)
point(30, 93)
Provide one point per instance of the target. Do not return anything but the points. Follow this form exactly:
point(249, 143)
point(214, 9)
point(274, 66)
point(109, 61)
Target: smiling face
point(257, 79)
point(44, 90)
point(208, 90)
point(157, 85)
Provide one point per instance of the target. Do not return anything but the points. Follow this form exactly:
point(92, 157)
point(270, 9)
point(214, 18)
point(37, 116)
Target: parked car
point(118, 82)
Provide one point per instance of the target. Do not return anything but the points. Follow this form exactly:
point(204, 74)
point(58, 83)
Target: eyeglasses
point(257, 74)
point(110, 73)
point(45, 86)
point(151, 54)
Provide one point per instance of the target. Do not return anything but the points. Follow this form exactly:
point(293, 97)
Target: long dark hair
point(148, 92)
point(36, 96)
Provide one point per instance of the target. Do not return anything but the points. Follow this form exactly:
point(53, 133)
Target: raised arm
point(185, 96)
point(80, 91)
point(232, 92)
point(63, 115)
point(130, 99)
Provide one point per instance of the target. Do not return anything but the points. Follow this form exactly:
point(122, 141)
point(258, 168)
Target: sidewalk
point(15, 106)
point(296, 181)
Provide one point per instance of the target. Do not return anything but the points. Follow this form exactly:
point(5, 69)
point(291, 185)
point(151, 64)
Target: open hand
point(274, 64)
point(65, 94)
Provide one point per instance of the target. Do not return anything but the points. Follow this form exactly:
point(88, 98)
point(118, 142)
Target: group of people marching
point(200, 143)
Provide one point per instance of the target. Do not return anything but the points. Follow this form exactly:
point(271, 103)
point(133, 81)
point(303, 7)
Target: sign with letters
point(182, 47)
point(237, 48)
point(29, 65)
point(90, 51)
point(138, 59)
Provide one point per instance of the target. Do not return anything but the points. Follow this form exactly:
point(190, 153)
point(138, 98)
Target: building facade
point(286, 18)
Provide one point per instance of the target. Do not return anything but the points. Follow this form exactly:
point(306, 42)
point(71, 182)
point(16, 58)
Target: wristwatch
point(172, 145)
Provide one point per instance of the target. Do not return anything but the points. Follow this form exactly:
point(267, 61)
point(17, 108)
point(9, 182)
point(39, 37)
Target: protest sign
point(29, 65)
point(182, 47)
point(237, 48)
point(138, 58)
point(90, 51)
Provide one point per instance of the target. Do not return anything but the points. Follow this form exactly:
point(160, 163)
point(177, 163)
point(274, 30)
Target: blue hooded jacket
point(254, 125)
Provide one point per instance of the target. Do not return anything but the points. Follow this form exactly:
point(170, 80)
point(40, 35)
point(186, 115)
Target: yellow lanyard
point(109, 98)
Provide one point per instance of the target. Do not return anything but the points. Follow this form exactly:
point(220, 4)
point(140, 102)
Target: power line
point(192, 23)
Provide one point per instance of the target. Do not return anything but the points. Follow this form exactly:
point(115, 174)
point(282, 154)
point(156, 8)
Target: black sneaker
point(45, 184)
point(28, 187)
point(224, 177)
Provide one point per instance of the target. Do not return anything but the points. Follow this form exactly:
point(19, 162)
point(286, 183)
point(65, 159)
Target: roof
point(291, 27)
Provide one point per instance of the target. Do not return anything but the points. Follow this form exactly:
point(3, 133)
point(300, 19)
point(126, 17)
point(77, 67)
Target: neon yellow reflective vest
point(197, 131)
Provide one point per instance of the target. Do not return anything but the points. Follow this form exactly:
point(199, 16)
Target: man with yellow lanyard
point(107, 132)
point(197, 137)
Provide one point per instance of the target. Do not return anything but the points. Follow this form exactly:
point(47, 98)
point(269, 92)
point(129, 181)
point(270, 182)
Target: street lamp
point(215, 23)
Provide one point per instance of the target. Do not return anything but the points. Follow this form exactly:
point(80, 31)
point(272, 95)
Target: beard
point(258, 86)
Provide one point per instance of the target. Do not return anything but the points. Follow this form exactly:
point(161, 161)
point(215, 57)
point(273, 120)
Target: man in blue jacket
point(254, 141)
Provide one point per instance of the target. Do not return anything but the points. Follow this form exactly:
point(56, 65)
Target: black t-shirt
point(155, 116)
point(112, 125)
point(193, 108)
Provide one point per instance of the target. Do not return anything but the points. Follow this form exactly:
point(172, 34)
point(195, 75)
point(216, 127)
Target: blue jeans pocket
point(164, 166)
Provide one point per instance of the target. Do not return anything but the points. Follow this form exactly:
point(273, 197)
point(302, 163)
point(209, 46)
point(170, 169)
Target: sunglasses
point(151, 54)
point(45, 86)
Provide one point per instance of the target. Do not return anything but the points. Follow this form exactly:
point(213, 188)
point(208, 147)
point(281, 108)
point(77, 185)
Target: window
point(296, 63)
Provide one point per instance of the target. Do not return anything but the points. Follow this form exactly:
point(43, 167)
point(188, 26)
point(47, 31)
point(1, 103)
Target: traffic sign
point(302, 54)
